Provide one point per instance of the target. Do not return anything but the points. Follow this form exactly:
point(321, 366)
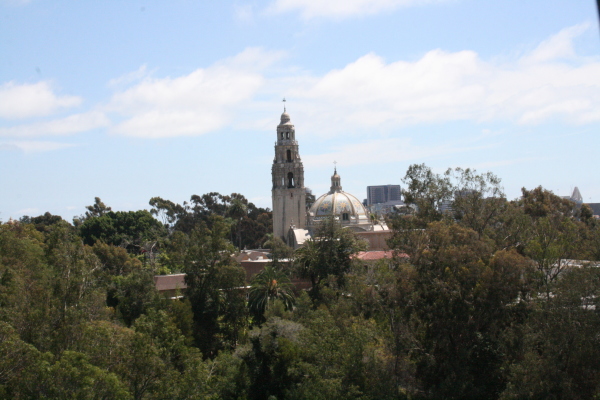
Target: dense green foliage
point(484, 300)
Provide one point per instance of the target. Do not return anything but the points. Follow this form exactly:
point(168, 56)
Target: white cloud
point(557, 46)
point(341, 8)
point(72, 124)
point(379, 151)
point(202, 101)
point(32, 100)
point(368, 95)
point(371, 93)
point(33, 146)
point(130, 77)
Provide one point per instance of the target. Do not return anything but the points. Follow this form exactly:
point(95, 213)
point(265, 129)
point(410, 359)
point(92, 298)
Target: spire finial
point(335, 166)
point(284, 104)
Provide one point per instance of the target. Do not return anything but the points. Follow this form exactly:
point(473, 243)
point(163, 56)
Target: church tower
point(289, 194)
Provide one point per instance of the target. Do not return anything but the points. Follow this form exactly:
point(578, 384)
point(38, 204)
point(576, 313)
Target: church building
point(292, 222)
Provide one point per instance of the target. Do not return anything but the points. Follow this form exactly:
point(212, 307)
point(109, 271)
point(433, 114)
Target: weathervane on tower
point(284, 104)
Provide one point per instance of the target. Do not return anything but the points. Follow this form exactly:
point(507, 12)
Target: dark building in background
point(382, 194)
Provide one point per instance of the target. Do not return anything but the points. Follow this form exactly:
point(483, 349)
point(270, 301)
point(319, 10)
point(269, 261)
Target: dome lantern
point(342, 206)
point(336, 182)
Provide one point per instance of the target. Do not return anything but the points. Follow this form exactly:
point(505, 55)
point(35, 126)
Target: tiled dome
point(343, 206)
point(338, 203)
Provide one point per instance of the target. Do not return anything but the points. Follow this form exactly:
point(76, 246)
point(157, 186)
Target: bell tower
point(289, 194)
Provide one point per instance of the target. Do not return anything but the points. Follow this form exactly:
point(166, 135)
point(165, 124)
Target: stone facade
point(288, 193)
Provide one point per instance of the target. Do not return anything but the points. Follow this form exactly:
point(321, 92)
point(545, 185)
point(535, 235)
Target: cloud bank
point(370, 94)
point(548, 83)
point(193, 104)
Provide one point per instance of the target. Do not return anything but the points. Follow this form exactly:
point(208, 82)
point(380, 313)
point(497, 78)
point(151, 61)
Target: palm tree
point(267, 286)
point(238, 210)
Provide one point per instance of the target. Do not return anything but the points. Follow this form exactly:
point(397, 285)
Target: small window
point(345, 217)
point(290, 180)
point(289, 155)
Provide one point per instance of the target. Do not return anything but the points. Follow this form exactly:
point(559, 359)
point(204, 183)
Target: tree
point(97, 209)
point(464, 299)
point(42, 222)
point(131, 295)
point(168, 212)
point(279, 249)
point(384, 292)
point(142, 367)
point(77, 296)
point(560, 357)
point(165, 335)
point(553, 235)
point(427, 191)
point(237, 211)
point(115, 260)
point(330, 253)
point(267, 286)
point(131, 229)
point(17, 358)
point(270, 358)
point(310, 199)
point(252, 223)
point(73, 377)
point(25, 282)
point(478, 198)
point(214, 283)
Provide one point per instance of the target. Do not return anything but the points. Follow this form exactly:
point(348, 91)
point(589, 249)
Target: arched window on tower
point(287, 135)
point(281, 135)
point(289, 155)
point(290, 180)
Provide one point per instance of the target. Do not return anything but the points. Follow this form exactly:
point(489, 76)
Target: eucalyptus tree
point(214, 287)
point(426, 190)
point(478, 199)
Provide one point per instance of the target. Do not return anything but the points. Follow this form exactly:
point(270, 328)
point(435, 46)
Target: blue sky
point(131, 100)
